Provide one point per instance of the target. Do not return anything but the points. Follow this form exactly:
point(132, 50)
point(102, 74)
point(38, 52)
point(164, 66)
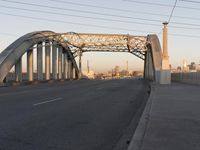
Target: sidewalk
point(171, 119)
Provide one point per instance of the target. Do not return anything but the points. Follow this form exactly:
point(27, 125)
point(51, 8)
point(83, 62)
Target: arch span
point(146, 48)
point(10, 56)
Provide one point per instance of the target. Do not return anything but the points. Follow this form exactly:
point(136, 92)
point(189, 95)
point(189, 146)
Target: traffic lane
point(77, 124)
point(14, 106)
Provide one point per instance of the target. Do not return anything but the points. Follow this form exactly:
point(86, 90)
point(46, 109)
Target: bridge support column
point(148, 70)
point(18, 71)
point(165, 74)
point(66, 74)
point(60, 51)
point(39, 62)
point(30, 65)
point(54, 61)
point(80, 64)
point(47, 60)
point(70, 69)
point(73, 72)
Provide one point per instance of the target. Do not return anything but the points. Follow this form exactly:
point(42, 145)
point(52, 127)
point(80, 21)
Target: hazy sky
point(135, 17)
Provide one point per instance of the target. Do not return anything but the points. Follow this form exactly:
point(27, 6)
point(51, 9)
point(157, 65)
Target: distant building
point(89, 74)
point(116, 71)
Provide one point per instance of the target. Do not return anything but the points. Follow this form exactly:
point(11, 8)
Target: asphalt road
point(73, 115)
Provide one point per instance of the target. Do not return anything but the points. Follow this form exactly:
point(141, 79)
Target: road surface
point(73, 115)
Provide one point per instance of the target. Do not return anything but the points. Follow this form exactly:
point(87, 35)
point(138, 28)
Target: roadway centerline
point(44, 102)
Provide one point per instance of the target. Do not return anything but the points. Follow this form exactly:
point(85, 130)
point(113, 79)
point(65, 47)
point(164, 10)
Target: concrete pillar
point(70, 69)
point(165, 75)
point(39, 62)
point(60, 52)
point(80, 64)
point(73, 72)
point(54, 61)
point(66, 61)
point(30, 65)
point(165, 41)
point(18, 71)
point(146, 66)
point(47, 61)
point(148, 70)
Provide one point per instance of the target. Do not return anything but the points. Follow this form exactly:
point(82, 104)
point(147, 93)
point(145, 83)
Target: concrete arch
point(153, 59)
point(10, 56)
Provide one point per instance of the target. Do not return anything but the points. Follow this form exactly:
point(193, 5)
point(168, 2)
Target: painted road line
point(49, 101)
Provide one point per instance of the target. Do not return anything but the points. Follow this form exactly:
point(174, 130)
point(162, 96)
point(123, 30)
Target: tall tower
point(165, 76)
point(165, 57)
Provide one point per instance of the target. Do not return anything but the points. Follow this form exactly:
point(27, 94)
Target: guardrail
point(189, 77)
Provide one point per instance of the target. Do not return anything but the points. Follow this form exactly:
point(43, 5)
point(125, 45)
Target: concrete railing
point(191, 77)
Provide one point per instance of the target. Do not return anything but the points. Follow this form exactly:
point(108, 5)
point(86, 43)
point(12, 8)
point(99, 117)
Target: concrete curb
point(137, 139)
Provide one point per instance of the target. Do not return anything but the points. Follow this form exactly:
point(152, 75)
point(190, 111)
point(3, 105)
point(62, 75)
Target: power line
point(103, 14)
point(121, 10)
point(8, 34)
point(107, 8)
point(159, 4)
point(80, 16)
point(187, 24)
point(188, 28)
point(190, 1)
point(97, 18)
point(74, 23)
point(185, 35)
point(172, 11)
point(82, 11)
point(148, 3)
point(94, 18)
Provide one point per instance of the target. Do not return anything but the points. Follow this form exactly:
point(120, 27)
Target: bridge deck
point(77, 115)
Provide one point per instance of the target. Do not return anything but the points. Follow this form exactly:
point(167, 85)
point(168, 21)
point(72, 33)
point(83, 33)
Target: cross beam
point(106, 43)
point(102, 43)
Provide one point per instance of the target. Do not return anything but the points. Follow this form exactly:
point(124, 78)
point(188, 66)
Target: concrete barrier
point(190, 77)
point(137, 139)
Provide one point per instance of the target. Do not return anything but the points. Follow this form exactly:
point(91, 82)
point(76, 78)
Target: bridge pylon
point(165, 74)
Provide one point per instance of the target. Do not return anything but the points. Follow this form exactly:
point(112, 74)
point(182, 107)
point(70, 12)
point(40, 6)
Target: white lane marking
point(44, 102)
point(99, 88)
